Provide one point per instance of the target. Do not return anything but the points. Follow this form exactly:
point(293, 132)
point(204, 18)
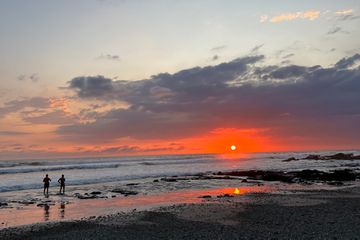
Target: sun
point(233, 147)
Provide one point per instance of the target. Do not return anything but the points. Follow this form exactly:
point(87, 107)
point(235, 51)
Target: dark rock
point(337, 156)
point(169, 179)
point(95, 193)
point(225, 195)
point(336, 183)
point(3, 204)
point(244, 180)
point(341, 156)
point(86, 196)
point(206, 196)
point(124, 192)
point(313, 157)
point(290, 159)
point(156, 180)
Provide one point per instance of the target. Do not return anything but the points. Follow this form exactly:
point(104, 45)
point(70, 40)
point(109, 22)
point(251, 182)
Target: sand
point(314, 214)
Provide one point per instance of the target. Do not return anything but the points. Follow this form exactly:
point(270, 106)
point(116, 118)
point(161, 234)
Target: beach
point(313, 214)
point(282, 196)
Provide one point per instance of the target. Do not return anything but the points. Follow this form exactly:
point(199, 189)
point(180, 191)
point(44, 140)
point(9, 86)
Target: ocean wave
point(57, 168)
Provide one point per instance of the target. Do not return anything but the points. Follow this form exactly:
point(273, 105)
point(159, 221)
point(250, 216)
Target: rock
point(156, 180)
point(132, 184)
point(313, 157)
point(124, 192)
point(341, 156)
point(244, 180)
point(290, 159)
point(3, 204)
point(336, 183)
point(95, 193)
point(169, 179)
point(206, 196)
point(337, 156)
point(225, 195)
point(86, 196)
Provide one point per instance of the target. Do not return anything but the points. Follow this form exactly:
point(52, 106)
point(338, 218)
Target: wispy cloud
point(33, 77)
point(256, 48)
point(345, 12)
point(335, 30)
point(112, 57)
point(309, 15)
point(219, 48)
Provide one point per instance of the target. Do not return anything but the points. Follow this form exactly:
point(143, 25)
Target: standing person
point(46, 181)
point(62, 183)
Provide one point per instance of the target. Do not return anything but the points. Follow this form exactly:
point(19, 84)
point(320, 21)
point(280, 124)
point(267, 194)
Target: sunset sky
point(123, 77)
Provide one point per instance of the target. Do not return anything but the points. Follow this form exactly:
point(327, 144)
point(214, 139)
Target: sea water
point(16, 175)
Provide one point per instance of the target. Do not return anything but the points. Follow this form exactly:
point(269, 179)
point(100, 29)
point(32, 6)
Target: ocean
point(17, 175)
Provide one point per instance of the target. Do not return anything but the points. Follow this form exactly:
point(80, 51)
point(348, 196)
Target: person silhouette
point(62, 183)
point(46, 181)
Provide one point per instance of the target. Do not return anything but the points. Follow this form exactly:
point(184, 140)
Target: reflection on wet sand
point(96, 207)
point(46, 212)
point(62, 210)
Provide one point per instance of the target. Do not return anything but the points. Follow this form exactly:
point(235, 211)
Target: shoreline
point(293, 214)
point(80, 202)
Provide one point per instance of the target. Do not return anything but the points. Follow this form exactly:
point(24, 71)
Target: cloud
point(219, 48)
point(348, 62)
point(264, 18)
point(109, 57)
point(342, 15)
point(256, 48)
point(238, 94)
point(309, 15)
point(215, 57)
point(12, 133)
point(335, 30)
point(344, 12)
point(32, 77)
point(17, 105)
point(288, 55)
point(40, 110)
point(92, 86)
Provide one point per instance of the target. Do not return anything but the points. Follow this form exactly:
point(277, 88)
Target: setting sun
point(233, 147)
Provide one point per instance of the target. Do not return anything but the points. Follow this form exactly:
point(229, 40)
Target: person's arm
point(59, 180)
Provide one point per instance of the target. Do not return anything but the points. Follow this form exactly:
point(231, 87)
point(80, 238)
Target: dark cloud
point(291, 100)
point(215, 57)
point(256, 48)
point(348, 62)
point(95, 86)
point(33, 77)
point(335, 30)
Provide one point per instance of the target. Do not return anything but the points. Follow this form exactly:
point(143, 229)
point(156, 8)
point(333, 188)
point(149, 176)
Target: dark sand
point(291, 215)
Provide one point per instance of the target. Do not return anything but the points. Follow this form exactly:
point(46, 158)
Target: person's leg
point(64, 189)
point(44, 189)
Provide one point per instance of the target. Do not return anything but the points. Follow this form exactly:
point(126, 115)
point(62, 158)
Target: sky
point(107, 78)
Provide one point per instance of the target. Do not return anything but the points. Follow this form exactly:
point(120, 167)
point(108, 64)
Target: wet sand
point(294, 214)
